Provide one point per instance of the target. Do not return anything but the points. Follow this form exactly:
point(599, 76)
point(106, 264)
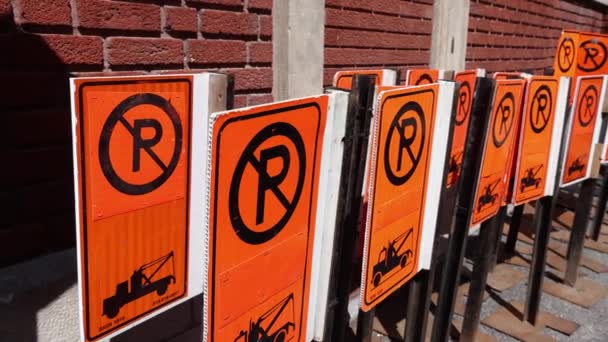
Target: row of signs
point(178, 197)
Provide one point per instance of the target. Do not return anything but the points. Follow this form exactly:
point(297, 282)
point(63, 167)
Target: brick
point(350, 56)
point(265, 26)
point(251, 78)
point(117, 15)
point(218, 52)
point(392, 7)
point(258, 99)
point(362, 20)
point(260, 52)
point(216, 3)
point(50, 12)
point(260, 5)
point(34, 89)
point(180, 19)
point(355, 38)
point(240, 101)
point(26, 164)
point(145, 51)
point(229, 23)
point(43, 126)
point(51, 49)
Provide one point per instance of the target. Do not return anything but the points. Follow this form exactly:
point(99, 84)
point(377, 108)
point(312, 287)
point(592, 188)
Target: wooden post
point(450, 30)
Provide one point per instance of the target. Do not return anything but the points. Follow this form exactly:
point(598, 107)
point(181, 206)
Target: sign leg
point(348, 213)
point(577, 235)
point(365, 324)
point(500, 222)
point(542, 229)
point(418, 303)
point(514, 229)
point(598, 219)
point(481, 267)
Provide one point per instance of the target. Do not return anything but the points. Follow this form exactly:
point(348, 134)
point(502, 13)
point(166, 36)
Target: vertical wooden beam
point(298, 38)
point(450, 29)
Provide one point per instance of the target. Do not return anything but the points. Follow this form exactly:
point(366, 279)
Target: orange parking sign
point(422, 76)
point(399, 183)
point(464, 103)
point(264, 174)
point(565, 58)
point(133, 154)
point(344, 79)
point(535, 139)
point(585, 110)
point(498, 144)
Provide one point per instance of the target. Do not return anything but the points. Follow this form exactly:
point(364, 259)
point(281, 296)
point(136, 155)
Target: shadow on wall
point(36, 190)
point(38, 298)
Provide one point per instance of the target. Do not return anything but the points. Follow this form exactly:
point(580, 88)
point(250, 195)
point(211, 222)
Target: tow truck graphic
point(141, 285)
point(264, 333)
point(530, 178)
point(390, 257)
point(489, 196)
point(454, 169)
point(577, 165)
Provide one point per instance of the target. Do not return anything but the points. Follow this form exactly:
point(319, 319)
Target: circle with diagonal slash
point(409, 121)
point(424, 79)
point(540, 109)
point(587, 106)
point(266, 181)
point(503, 119)
point(594, 56)
point(116, 116)
point(565, 54)
point(464, 103)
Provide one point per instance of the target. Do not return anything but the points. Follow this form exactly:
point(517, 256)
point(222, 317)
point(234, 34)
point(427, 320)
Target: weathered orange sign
point(398, 179)
point(133, 155)
point(264, 178)
point(499, 142)
point(503, 75)
point(344, 79)
point(585, 110)
point(422, 76)
point(535, 139)
point(464, 103)
point(581, 53)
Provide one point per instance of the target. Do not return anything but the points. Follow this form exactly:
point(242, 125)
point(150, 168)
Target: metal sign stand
point(598, 219)
point(456, 247)
point(349, 206)
point(579, 228)
point(481, 267)
point(514, 225)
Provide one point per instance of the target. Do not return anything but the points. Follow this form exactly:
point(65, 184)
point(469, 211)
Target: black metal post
point(471, 163)
point(579, 228)
point(514, 225)
point(477, 286)
point(500, 222)
point(418, 295)
point(349, 206)
point(598, 219)
point(542, 229)
point(365, 325)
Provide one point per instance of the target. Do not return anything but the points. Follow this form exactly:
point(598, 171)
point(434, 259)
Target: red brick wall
point(514, 35)
point(43, 42)
point(375, 34)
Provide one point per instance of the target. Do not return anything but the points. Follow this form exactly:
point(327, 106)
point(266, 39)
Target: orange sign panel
point(344, 79)
point(506, 75)
point(422, 76)
point(535, 139)
point(133, 154)
point(581, 53)
point(403, 133)
point(583, 117)
point(464, 104)
point(264, 178)
point(498, 144)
